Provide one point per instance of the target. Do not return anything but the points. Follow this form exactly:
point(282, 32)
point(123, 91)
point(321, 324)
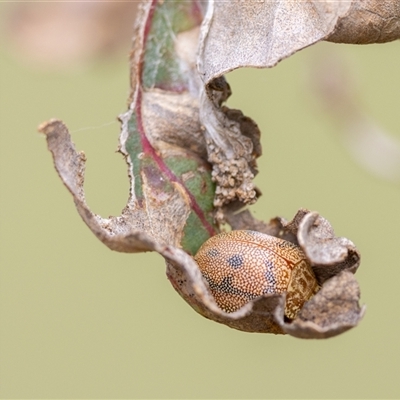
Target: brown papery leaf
point(368, 21)
point(333, 310)
point(249, 34)
point(171, 194)
point(238, 34)
point(192, 160)
point(260, 34)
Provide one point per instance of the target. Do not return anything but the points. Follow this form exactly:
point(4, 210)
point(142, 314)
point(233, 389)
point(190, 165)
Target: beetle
point(243, 265)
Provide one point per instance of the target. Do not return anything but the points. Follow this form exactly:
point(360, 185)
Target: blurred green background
point(81, 321)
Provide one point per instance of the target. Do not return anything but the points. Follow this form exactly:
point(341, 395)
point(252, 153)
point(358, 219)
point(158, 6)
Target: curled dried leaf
point(333, 265)
point(175, 127)
point(233, 144)
point(262, 33)
point(368, 21)
point(328, 254)
point(333, 310)
point(126, 233)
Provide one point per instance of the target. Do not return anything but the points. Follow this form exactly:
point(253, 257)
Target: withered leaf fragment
point(171, 195)
point(335, 308)
point(368, 21)
point(192, 160)
point(333, 311)
point(262, 33)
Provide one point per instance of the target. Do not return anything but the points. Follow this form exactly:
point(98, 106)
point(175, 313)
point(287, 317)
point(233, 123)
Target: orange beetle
point(242, 265)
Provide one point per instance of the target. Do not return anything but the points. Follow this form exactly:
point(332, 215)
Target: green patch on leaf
point(134, 148)
point(194, 234)
point(196, 177)
point(161, 67)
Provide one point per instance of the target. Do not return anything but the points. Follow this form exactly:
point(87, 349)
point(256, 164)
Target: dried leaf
point(332, 311)
point(368, 21)
point(262, 33)
point(125, 233)
point(177, 129)
point(329, 255)
point(171, 197)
